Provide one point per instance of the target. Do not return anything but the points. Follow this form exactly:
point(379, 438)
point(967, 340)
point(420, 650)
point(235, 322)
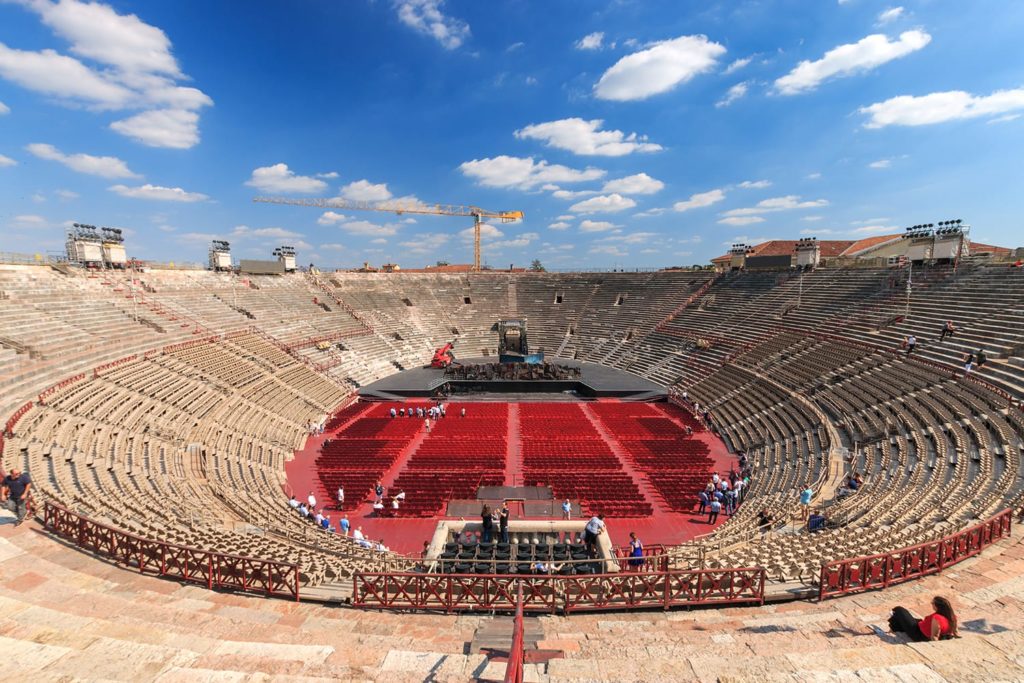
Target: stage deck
point(595, 381)
point(406, 535)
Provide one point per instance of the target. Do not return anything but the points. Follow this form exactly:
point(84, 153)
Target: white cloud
point(170, 128)
point(813, 176)
point(365, 191)
point(379, 240)
point(639, 183)
point(560, 225)
point(38, 198)
point(519, 242)
point(488, 232)
point(812, 219)
point(939, 107)
point(1006, 118)
point(597, 226)
point(700, 200)
point(426, 17)
point(633, 238)
point(658, 68)
point(328, 176)
point(591, 41)
point(734, 93)
point(66, 195)
point(874, 230)
point(610, 203)
point(7, 161)
point(755, 184)
point(333, 246)
point(515, 46)
point(881, 163)
point(787, 203)
point(890, 15)
point(368, 228)
point(104, 167)
point(524, 173)
point(426, 243)
point(137, 70)
point(270, 233)
point(279, 179)
point(29, 221)
point(566, 217)
point(569, 195)
point(866, 54)
point(584, 137)
point(608, 249)
point(4, 109)
point(331, 218)
point(656, 211)
point(741, 220)
point(736, 65)
point(64, 77)
point(156, 192)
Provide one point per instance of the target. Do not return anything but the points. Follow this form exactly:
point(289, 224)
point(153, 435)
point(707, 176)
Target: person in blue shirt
point(805, 502)
point(716, 507)
point(344, 525)
point(703, 500)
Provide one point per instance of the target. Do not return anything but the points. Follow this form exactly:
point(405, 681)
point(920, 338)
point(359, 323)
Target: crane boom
point(400, 207)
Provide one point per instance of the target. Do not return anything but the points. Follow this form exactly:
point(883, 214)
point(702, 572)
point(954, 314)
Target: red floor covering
point(407, 536)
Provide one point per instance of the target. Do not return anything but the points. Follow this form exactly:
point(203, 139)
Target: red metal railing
point(858, 574)
point(214, 570)
point(46, 393)
point(516, 653)
point(18, 414)
point(615, 591)
point(99, 370)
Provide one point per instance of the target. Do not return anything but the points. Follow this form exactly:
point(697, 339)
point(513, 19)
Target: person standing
point(566, 509)
point(805, 502)
point(311, 500)
point(968, 363)
point(947, 330)
point(14, 492)
point(910, 343)
point(595, 527)
point(341, 496)
point(378, 491)
point(344, 525)
point(488, 524)
point(716, 507)
point(702, 500)
point(503, 523)
point(636, 552)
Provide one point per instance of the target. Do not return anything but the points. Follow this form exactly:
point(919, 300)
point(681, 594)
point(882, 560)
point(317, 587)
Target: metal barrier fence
point(516, 653)
point(623, 590)
point(211, 569)
point(869, 572)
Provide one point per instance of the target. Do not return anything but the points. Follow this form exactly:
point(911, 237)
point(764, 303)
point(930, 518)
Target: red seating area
point(360, 454)
point(562, 449)
point(457, 456)
point(678, 466)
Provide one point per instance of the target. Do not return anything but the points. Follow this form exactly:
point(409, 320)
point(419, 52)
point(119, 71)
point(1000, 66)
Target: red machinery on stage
point(443, 357)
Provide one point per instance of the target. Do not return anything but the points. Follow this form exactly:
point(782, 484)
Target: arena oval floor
point(167, 403)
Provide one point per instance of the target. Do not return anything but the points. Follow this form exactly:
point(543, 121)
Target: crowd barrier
point(857, 574)
point(516, 653)
point(18, 414)
point(571, 593)
point(211, 569)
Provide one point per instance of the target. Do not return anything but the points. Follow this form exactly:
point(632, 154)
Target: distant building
point(773, 253)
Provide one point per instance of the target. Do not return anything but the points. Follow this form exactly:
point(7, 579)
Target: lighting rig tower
point(220, 256)
point(85, 245)
point(286, 255)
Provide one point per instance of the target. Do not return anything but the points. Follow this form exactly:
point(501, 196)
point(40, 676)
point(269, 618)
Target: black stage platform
point(595, 381)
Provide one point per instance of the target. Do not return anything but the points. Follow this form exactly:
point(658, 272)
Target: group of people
point(724, 494)
point(314, 428)
point(513, 371)
point(379, 506)
point(971, 360)
point(489, 518)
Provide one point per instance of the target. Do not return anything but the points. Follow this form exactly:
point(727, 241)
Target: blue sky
point(632, 133)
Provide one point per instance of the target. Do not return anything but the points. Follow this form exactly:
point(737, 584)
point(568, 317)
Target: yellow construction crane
point(400, 207)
